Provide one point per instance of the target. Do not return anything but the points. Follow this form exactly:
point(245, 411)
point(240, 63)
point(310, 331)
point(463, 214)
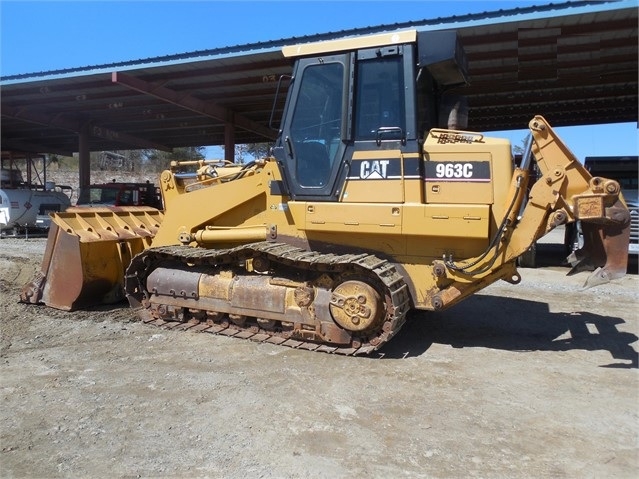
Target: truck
point(120, 194)
point(375, 200)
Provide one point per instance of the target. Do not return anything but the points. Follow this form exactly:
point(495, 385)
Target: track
point(310, 275)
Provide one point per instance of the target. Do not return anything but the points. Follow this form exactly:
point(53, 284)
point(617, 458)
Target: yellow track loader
point(375, 200)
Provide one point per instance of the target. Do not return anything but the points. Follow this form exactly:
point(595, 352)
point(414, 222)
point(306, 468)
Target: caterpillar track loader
point(368, 207)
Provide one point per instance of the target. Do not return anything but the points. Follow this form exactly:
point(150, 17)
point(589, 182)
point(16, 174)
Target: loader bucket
point(605, 250)
point(87, 252)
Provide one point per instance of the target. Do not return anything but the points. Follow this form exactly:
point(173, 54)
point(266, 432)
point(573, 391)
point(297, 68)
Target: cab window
point(380, 97)
point(317, 123)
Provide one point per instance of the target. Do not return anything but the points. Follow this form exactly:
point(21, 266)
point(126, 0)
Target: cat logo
point(373, 170)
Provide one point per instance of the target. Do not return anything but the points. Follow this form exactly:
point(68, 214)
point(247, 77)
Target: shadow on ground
point(484, 321)
point(513, 325)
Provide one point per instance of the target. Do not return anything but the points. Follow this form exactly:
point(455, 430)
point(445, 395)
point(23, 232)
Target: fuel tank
point(29, 208)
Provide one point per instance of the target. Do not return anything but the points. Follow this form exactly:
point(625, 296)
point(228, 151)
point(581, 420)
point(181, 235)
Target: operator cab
point(353, 96)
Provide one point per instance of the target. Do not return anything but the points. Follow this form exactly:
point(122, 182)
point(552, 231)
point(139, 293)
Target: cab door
point(310, 148)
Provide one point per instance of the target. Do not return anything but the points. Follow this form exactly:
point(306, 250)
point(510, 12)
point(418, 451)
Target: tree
point(156, 160)
point(139, 161)
point(251, 151)
point(258, 150)
point(519, 149)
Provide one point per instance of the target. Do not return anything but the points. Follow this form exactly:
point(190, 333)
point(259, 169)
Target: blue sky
point(48, 35)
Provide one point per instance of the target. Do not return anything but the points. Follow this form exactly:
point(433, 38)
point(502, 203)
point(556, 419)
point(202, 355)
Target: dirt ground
point(537, 380)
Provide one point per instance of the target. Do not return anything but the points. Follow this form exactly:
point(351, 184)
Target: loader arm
point(186, 223)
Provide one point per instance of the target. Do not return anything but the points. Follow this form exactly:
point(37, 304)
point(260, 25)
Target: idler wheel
point(356, 306)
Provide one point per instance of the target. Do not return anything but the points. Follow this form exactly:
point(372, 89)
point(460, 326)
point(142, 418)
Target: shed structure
point(574, 62)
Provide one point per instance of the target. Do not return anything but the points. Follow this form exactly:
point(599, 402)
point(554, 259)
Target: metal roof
point(575, 63)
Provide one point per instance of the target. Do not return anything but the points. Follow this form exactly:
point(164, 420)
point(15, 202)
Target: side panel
point(467, 168)
point(391, 174)
point(446, 221)
point(352, 219)
point(454, 178)
point(425, 221)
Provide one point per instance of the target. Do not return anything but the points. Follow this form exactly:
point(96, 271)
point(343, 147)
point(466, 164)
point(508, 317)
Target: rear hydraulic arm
point(566, 192)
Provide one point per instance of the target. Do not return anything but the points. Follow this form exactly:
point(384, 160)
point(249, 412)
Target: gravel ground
point(530, 381)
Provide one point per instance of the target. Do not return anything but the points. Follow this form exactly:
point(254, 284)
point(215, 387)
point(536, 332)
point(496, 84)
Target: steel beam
point(192, 103)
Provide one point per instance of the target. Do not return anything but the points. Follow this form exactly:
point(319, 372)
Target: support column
point(229, 142)
point(28, 163)
point(85, 157)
